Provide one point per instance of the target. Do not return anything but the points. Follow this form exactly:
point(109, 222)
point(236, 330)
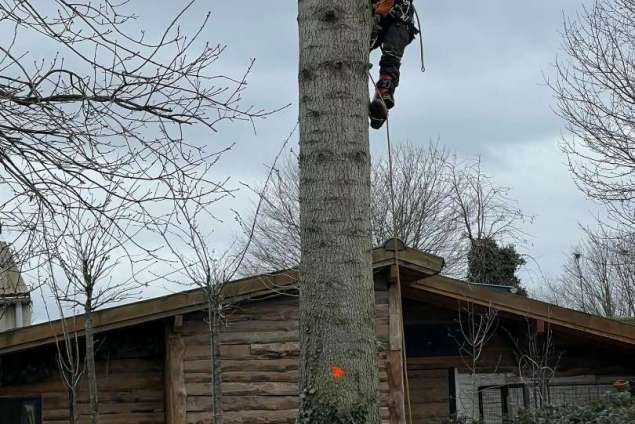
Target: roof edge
point(191, 300)
point(532, 308)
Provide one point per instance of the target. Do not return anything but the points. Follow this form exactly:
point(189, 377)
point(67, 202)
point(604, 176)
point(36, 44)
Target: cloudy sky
point(483, 93)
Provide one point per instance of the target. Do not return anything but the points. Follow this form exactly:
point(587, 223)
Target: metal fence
point(497, 403)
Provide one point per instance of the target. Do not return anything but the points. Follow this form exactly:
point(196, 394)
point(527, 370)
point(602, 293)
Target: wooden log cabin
point(153, 356)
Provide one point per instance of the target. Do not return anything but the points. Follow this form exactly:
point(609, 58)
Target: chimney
point(15, 298)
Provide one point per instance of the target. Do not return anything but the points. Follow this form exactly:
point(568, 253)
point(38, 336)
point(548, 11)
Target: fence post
point(504, 404)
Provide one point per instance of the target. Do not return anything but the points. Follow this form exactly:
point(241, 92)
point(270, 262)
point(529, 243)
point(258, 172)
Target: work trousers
point(392, 38)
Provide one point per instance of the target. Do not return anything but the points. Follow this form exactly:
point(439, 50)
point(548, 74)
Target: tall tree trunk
point(90, 365)
point(72, 405)
point(215, 359)
point(338, 366)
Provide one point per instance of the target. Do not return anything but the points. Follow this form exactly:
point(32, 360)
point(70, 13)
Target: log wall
point(430, 372)
point(260, 353)
point(129, 379)
point(159, 372)
point(429, 394)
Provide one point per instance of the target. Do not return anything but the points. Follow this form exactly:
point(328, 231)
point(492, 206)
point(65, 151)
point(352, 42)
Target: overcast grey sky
point(483, 94)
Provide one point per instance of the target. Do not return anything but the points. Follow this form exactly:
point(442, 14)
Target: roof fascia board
point(192, 300)
point(530, 308)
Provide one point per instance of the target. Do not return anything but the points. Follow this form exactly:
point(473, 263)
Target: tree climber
point(393, 30)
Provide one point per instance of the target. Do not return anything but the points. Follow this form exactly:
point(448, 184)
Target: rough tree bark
point(338, 366)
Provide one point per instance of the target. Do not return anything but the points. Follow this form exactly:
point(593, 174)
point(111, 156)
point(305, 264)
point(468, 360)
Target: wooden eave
point(521, 306)
point(416, 262)
point(412, 259)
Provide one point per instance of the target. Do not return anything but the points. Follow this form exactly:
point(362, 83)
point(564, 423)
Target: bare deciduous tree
point(186, 233)
point(275, 243)
point(105, 107)
point(477, 327)
point(439, 202)
point(69, 352)
point(485, 208)
point(425, 216)
point(489, 216)
point(599, 277)
point(187, 240)
point(596, 97)
point(91, 250)
point(71, 367)
point(95, 140)
point(537, 360)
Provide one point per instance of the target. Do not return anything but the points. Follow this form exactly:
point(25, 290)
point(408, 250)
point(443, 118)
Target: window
point(432, 339)
point(20, 411)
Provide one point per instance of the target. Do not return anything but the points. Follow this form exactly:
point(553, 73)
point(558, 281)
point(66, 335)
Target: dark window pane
point(425, 340)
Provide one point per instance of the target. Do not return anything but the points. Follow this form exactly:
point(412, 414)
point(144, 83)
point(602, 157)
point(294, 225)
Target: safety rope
point(396, 257)
point(404, 360)
point(423, 63)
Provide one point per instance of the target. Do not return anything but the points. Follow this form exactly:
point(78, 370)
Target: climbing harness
point(375, 34)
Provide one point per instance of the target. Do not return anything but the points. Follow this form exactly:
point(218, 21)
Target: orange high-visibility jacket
point(383, 7)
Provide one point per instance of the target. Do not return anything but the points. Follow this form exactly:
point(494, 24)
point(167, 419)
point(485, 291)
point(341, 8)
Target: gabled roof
point(414, 262)
point(440, 287)
point(419, 275)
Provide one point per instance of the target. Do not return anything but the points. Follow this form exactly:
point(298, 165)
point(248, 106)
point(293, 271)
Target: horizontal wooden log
point(247, 389)
point(243, 403)
point(263, 403)
point(287, 416)
point(259, 337)
point(252, 417)
point(276, 350)
point(198, 348)
point(260, 376)
point(280, 365)
point(250, 325)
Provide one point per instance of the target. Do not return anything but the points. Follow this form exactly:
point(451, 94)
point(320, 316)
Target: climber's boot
point(382, 101)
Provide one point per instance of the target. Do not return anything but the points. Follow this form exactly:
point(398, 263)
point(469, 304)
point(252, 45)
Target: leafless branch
point(595, 91)
point(110, 111)
point(438, 199)
point(599, 277)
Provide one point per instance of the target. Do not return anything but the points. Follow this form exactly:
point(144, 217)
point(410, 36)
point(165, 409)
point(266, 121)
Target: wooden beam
point(395, 323)
point(540, 327)
point(178, 323)
point(410, 258)
point(175, 389)
point(397, 404)
point(140, 312)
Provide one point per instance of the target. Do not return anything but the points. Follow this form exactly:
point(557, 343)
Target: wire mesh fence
point(498, 403)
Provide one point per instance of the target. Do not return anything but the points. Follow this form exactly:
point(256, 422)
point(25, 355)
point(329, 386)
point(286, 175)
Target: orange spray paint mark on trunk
point(337, 372)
